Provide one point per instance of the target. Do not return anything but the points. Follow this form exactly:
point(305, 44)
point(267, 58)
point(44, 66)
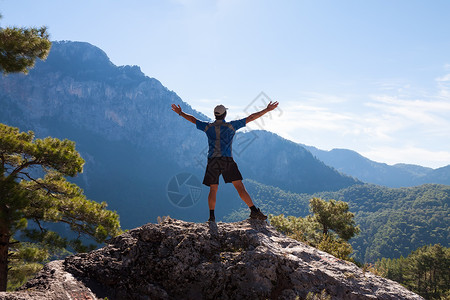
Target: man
point(220, 159)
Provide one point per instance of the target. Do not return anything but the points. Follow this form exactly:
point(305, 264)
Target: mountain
point(287, 165)
point(440, 175)
point(142, 158)
point(181, 260)
point(118, 118)
point(366, 170)
point(393, 221)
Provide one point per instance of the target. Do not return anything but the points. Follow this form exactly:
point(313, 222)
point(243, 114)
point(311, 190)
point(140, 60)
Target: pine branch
point(39, 224)
point(23, 166)
point(41, 185)
point(29, 177)
point(79, 228)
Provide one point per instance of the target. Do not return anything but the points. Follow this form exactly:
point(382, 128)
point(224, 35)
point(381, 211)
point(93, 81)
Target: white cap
point(220, 110)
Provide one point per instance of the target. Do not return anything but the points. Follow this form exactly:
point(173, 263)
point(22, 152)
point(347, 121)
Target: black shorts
point(221, 165)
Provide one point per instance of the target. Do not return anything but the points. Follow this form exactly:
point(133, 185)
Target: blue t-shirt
point(220, 136)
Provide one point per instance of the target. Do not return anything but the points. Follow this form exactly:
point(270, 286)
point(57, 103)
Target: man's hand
point(176, 109)
point(271, 106)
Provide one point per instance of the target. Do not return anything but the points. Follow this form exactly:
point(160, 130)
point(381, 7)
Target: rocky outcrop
point(52, 283)
point(182, 260)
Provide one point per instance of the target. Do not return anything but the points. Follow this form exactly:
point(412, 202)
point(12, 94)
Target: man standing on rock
point(220, 159)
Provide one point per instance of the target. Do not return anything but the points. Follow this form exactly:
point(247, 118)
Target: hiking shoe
point(212, 219)
point(258, 215)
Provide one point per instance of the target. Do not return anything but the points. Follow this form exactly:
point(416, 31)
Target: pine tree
point(27, 197)
point(328, 228)
point(334, 215)
point(20, 47)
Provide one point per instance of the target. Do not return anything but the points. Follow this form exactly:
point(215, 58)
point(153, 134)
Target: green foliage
point(306, 230)
point(425, 271)
point(334, 215)
point(322, 296)
point(44, 200)
point(20, 150)
point(19, 48)
point(336, 247)
point(328, 228)
point(26, 259)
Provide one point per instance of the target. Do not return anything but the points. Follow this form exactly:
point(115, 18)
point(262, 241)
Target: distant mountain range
point(134, 145)
point(366, 170)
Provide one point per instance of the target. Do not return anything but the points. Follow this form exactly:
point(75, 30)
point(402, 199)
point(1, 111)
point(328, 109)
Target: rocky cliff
point(182, 260)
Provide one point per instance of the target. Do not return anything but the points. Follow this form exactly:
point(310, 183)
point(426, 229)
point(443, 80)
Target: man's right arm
point(188, 117)
point(271, 106)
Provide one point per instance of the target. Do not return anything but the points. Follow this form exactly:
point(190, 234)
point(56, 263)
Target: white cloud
point(444, 78)
point(411, 112)
point(316, 98)
point(384, 127)
point(393, 85)
point(443, 83)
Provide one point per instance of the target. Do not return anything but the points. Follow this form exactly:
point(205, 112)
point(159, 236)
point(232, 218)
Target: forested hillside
point(425, 271)
point(393, 221)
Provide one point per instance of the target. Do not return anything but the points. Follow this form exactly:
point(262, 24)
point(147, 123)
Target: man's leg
point(239, 185)
point(255, 212)
point(212, 196)
point(212, 201)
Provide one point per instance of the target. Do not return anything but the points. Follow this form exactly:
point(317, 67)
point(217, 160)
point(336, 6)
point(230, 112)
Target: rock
point(182, 260)
point(52, 283)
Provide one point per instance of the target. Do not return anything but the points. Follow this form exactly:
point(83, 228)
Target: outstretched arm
point(256, 115)
point(188, 117)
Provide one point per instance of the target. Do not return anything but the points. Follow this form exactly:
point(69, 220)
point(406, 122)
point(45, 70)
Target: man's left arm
point(188, 117)
point(271, 106)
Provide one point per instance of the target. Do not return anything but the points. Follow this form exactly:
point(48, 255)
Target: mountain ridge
point(399, 175)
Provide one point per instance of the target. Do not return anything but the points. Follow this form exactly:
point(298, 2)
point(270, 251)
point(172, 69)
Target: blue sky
point(372, 76)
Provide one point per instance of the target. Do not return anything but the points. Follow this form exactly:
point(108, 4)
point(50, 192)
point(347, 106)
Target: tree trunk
point(4, 247)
